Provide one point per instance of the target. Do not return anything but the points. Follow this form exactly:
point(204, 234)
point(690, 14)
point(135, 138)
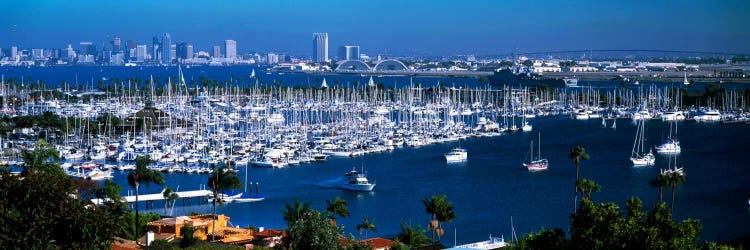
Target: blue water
point(492, 186)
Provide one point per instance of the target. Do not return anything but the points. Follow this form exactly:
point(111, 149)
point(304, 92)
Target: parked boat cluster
point(189, 130)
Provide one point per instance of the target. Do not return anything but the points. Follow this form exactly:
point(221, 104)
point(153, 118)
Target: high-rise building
point(14, 53)
point(217, 52)
point(349, 52)
point(172, 52)
point(140, 53)
point(70, 53)
point(166, 46)
point(88, 48)
point(155, 48)
point(116, 44)
point(131, 47)
point(189, 51)
point(320, 47)
point(272, 58)
point(116, 58)
point(230, 49)
point(184, 51)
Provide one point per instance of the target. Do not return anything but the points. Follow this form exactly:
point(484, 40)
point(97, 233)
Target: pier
point(159, 196)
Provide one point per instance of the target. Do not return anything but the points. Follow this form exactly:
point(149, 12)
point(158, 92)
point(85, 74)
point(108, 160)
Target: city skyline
point(414, 27)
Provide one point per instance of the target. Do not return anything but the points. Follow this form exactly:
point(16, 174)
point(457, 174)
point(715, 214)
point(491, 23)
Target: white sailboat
point(638, 155)
point(671, 145)
point(685, 81)
point(252, 74)
point(324, 85)
point(538, 164)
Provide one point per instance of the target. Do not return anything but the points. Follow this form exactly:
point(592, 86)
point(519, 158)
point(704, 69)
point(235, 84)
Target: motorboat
point(708, 116)
point(669, 146)
point(673, 116)
point(456, 155)
point(355, 181)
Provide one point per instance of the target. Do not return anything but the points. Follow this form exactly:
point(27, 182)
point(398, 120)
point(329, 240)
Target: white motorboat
point(457, 155)
point(673, 116)
point(708, 116)
point(669, 146)
point(355, 181)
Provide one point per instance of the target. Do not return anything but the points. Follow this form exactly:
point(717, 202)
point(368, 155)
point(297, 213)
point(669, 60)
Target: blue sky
point(388, 26)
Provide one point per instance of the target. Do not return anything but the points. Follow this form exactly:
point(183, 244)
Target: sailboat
point(538, 164)
point(637, 155)
point(252, 74)
point(324, 85)
point(685, 81)
point(248, 196)
point(370, 83)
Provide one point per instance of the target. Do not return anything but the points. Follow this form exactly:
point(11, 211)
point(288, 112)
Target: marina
point(291, 141)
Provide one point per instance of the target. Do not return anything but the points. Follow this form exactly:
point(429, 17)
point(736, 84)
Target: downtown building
point(320, 47)
point(230, 49)
point(349, 52)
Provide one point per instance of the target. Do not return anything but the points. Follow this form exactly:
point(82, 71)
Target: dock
point(159, 196)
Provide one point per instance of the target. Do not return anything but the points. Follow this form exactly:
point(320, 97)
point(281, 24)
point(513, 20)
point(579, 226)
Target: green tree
point(366, 225)
point(220, 180)
point(41, 211)
point(169, 195)
point(440, 210)
point(413, 237)
point(577, 154)
point(312, 230)
point(586, 187)
point(337, 207)
point(295, 211)
point(44, 158)
point(143, 175)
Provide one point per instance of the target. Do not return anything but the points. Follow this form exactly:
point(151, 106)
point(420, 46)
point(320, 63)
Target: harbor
point(295, 142)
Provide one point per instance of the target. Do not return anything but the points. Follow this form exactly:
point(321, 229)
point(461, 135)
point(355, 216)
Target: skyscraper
point(230, 48)
point(116, 43)
point(14, 53)
point(184, 51)
point(155, 51)
point(217, 52)
point(166, 49)
point(320, 47)
point(349, 52)
point(140, 53)
point(131, 47)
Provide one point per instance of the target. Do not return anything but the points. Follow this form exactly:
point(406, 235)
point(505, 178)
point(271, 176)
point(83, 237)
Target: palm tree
point(144, 175)
point(413, 237)
point(673, 180)
point(296, 211)
point(337, 207)
point(169, 195)
point(586, 187)
point(440, 210)
point(660, 181)
point(220, 180)
point(366, 225)
point(577, 154)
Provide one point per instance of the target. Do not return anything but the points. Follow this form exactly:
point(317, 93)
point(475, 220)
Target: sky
point(391, 27)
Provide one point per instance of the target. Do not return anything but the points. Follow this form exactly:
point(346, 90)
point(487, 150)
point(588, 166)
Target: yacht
point(355, 181)
point(711, 115)
point(570, 82)
point(669, 146)
point(456, 155)
point(673, 116)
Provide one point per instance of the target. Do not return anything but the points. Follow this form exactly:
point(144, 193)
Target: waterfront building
point(272, 58)
point(116, 43)
point(14, 53)
point(88, 48)
point(140, 53)
point(130, 45)
point(184, 51)
point(230, 49)
point(116, 58)
point(155, 51)
point(172, 52)
point(320, 47)
point(349, 52)
point(166, 46)
point(217, 52)
point(37, 54)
